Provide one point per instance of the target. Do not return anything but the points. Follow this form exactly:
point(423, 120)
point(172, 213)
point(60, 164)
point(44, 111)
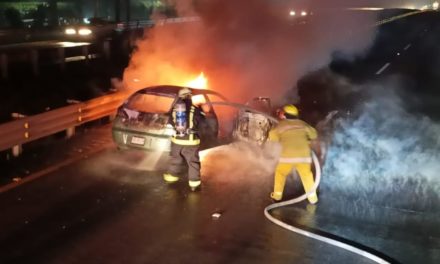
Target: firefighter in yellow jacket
point(185, 143)
point(294, 135)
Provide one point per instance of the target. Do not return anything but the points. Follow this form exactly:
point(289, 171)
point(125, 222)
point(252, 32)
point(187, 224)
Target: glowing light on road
point(303, 13)
point(435, 5)
point(70, 31)
point(292, 13)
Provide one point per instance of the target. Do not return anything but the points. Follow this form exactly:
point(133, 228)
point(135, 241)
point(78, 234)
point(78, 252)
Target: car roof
point(173, 90)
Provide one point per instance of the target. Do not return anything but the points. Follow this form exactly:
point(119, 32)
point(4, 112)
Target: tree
point(39, 16)
point(96, 9)
point(118, 10)
point(53, 13)
point(13, 18)
point(150, 3)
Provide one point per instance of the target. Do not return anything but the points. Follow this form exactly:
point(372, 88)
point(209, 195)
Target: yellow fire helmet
point(184, 92)
point(291, 110)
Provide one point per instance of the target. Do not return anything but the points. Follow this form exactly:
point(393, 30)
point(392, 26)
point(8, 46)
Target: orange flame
point(201, 82)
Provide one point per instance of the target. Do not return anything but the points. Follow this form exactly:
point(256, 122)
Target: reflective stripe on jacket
point(294, 135)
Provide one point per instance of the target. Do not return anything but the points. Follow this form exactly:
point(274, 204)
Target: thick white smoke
point(385, 154)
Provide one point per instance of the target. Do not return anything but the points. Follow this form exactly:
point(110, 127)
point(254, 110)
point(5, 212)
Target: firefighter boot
point(276, 196)
point(169, 178)
point(313, 198)
point(194, 185)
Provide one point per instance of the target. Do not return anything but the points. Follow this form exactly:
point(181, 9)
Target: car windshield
point(260, 104)
point(150, 103)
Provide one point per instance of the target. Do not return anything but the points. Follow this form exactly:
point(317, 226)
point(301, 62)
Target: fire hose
point(303, 232)
point(297, 230)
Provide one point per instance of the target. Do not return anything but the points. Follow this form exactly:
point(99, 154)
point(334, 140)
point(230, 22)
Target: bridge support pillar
point(62, 58)
point(34, 62)
point(85, 52)
point(4, 65)
point(106, 49)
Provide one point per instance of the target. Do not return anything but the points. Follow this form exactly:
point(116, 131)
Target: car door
point(210, 127)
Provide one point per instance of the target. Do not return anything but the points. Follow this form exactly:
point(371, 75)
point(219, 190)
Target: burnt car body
point(252, 124)
point(142, 121)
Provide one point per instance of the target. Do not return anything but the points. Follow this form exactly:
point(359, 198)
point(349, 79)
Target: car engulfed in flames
point(142, 121)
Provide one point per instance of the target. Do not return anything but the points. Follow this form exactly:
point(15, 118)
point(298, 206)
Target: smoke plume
point(245, 48)
point(385, 154)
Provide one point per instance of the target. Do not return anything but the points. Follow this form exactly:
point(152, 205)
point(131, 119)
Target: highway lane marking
point(383, 68)
point(50, 169)
point(407, 47)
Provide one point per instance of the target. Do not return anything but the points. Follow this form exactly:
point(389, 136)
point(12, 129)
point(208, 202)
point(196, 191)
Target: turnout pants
point(181, 154)
point(305, 173)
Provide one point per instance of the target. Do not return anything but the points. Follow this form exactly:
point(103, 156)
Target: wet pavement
point(112, 208)
point(101, 211)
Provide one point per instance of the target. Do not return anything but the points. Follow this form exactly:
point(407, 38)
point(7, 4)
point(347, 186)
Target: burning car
point(142, 120)
point(253, 123)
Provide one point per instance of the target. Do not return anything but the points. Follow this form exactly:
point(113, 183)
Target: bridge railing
point(25, 129)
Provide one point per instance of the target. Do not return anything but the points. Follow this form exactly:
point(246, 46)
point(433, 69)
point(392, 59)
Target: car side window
point(150, 103)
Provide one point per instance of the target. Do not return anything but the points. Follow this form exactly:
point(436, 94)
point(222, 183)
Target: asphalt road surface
point(107, 209)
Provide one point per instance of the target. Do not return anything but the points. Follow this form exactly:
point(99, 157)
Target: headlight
point(292, 13)
point(84, 32)
point(70, 31)
point(303, 13)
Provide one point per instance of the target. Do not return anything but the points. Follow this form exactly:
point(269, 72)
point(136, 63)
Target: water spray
point(303, 197)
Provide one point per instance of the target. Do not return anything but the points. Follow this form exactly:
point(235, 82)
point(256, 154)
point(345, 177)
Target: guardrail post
point(106, 48)
point(18, 149)
point(85, 52)
point(62, 58)
point(34, 62)
point(70, 131)
point(4, 65)
point(111, 117)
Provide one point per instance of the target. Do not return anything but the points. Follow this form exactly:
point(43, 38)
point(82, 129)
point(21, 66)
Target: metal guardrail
point(149, 23)
point(394, 18)
point(25, 129)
